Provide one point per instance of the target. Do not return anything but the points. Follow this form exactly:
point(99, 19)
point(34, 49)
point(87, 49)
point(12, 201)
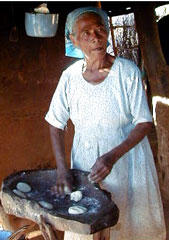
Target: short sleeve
point(58, 113)
point(137, 99)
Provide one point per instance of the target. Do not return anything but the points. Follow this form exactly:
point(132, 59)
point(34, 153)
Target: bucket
point(4, 234)
point(41, 24)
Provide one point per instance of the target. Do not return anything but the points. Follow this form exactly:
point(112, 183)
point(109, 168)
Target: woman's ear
point(74, 40)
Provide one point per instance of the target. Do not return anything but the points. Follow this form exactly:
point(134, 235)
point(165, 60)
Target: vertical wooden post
point(102, 235)
point(112, 35)
point(152, 55)
point(98, 4)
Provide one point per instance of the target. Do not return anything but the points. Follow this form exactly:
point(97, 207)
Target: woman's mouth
point(98, 49)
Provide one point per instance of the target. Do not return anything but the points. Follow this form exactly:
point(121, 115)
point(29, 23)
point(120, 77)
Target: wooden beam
point(113, 39)
point(154, 61)
point(98, 4)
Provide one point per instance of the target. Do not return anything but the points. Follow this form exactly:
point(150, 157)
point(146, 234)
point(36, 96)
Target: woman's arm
point(104, 164)
point(64, 177)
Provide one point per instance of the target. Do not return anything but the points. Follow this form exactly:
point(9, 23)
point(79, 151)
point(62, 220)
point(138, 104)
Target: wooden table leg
point(46, 230)
point(102, 235)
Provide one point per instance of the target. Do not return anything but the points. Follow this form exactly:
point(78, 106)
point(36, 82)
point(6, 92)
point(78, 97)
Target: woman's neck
point(101, 64)
point(96, 71)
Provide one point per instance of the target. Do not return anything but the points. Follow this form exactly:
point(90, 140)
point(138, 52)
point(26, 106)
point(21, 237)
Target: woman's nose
point(95, 36)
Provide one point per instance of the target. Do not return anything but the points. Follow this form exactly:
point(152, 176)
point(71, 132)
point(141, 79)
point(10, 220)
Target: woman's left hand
point(104, 164)
point(102, 167)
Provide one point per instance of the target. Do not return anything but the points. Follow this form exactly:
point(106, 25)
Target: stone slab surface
point(101, 210)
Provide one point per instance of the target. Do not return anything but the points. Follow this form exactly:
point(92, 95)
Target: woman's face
point(90, 35)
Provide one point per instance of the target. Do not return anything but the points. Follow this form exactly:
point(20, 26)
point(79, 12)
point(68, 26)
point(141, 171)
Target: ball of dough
point(76, 196)
point(18, 193)
point(46, 204)
point(23, 187)
point(77, 210)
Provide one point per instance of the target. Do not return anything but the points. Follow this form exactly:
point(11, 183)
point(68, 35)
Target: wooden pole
point(151, 51)
point(98, 4)
point(112, 35)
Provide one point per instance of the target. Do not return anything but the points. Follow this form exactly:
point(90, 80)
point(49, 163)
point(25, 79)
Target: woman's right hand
point(64, 179)
point(64, 182)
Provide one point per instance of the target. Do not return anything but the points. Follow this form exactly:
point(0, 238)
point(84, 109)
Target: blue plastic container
point(4, 234)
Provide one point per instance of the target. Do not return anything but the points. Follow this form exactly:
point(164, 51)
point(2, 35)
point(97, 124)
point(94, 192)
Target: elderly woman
point(104, 98)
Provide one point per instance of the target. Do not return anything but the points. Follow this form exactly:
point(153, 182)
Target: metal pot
point(41, 24)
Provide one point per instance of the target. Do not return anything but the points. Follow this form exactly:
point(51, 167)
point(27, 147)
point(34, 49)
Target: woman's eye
point(86, 33)
point(101, 29)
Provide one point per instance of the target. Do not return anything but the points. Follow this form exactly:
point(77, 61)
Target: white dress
point(103, 115)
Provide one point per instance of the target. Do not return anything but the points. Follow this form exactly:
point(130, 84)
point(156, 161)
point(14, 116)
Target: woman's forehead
point(89, 19)
point(88, 14)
